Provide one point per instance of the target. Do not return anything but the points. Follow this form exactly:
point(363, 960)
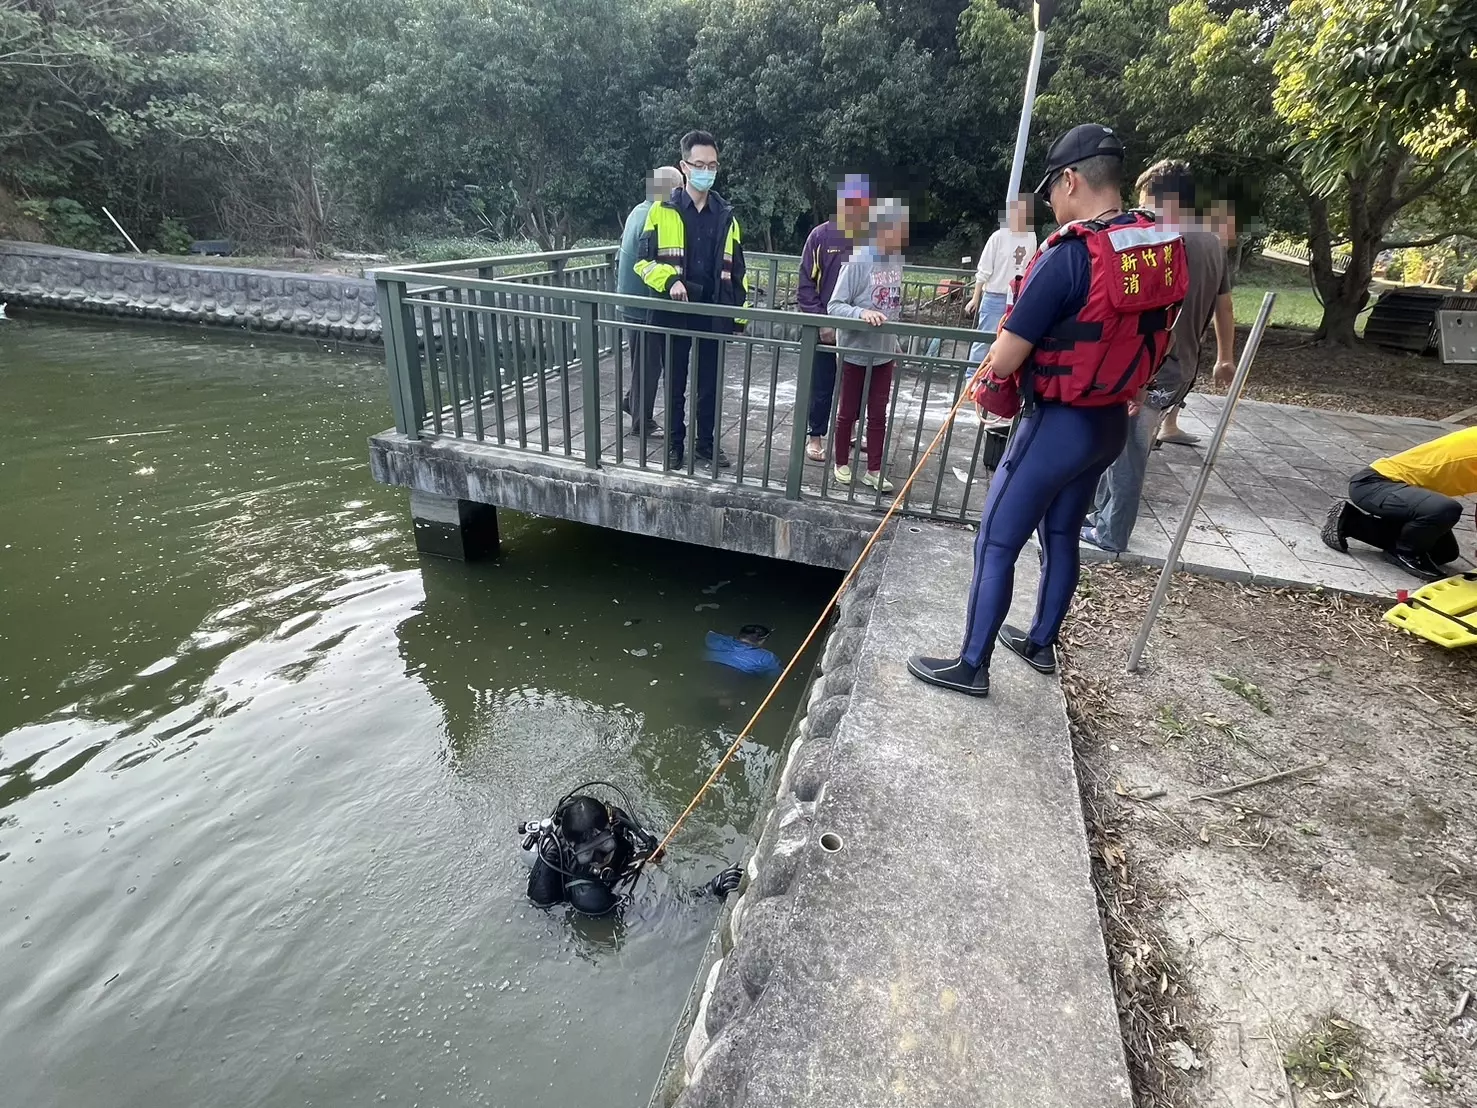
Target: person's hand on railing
point(678, 291)
point(873, 318)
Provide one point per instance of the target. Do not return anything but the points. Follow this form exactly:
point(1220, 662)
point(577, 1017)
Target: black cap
point(1086, 140)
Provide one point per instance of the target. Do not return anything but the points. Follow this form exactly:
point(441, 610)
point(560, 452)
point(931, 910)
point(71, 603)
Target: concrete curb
point(732, 983)
point(948, 952)
point(1099, 556)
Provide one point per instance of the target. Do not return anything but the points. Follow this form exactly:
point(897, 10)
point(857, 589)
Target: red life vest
point(1115, 343)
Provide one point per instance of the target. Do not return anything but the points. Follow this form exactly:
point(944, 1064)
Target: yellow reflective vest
point(661, 259)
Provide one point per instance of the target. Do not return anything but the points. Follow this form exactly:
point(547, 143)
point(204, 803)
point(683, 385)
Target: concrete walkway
point(949, 953)
point(1279, 470)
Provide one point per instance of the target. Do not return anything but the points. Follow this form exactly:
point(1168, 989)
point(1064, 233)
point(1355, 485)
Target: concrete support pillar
point(451, 528)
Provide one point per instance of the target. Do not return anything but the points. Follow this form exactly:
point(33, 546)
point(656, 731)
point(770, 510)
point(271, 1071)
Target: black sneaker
point(706, 459)
point(1417, 565)
point(951, 673)
point(1040, 658)
point(1335, 533)
point(675, 458)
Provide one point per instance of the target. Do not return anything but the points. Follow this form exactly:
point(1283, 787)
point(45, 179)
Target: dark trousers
point(707, 387)
point(822, 388)
point(853, 378)
point(647, 350)
point(1425, 517)
point(1045, 483)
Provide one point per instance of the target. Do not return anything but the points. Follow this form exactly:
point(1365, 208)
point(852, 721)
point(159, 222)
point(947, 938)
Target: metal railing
point(530, 353)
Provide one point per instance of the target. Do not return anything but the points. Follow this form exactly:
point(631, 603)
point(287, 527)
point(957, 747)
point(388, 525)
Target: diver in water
point(589, 849)
point(745, 653)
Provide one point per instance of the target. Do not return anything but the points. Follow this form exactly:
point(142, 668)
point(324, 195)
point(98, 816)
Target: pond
point(260, 765)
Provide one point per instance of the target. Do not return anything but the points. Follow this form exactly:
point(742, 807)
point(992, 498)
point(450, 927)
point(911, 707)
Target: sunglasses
point(1044, 193)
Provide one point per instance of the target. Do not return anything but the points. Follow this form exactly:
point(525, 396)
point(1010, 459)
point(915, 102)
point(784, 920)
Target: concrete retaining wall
point(331, 307)
point(736, 975)
point(918, 924)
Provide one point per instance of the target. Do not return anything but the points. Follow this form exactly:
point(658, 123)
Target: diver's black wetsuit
point(587, 850)
point(589, 855)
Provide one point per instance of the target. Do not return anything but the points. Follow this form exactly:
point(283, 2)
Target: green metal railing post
point(402, 356)
point(588, 341)
point(809, 339)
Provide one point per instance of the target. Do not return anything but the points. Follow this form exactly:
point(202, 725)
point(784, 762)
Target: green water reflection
point(259, 764)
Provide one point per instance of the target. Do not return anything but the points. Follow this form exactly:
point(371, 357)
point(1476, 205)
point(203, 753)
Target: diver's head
point(583, 817)
point(753, 633)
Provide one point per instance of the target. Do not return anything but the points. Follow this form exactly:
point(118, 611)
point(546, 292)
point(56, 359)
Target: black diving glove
point(726, 882)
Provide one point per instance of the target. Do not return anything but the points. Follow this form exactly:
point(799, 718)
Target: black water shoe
point(951, 673)
point(1335, 533)
point(1417, 565)
point(1040, 658)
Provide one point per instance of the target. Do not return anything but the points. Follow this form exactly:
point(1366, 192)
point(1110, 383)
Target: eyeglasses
point(701, 165)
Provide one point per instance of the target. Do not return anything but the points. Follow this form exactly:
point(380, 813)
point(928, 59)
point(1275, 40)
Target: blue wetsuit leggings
point(1047, 479)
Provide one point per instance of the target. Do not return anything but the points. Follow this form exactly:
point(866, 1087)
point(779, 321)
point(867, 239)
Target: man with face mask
point(1091, 322)
point(691, 251)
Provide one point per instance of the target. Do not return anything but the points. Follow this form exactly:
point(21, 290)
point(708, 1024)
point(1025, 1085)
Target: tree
point(1381, 103)
point(798, 92)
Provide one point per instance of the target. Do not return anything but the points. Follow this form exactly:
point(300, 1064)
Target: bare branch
point(1412, 244)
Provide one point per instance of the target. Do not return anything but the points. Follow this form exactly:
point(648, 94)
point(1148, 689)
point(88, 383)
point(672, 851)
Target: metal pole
point(1171, 561)
point(121, 231)
point(1023, 132)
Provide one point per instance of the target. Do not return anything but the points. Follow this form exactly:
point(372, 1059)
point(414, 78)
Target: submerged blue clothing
point(1047, 478)
point(744, 657)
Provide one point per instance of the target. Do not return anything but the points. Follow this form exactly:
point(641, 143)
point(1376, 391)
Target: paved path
point(1279, 470)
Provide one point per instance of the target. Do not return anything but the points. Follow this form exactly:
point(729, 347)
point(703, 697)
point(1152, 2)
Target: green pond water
point(260, 765)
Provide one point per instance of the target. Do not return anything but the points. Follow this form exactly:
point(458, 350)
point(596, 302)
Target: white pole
point(122, 232)
point(1171, 561)
point(1023, 132)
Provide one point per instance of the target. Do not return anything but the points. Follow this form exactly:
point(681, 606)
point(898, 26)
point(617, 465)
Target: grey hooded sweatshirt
point(868, 281)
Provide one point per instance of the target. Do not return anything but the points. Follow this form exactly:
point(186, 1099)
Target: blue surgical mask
point(702, 179)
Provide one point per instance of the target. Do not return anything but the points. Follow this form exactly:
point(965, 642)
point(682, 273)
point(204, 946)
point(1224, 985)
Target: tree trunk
point(1372, 205)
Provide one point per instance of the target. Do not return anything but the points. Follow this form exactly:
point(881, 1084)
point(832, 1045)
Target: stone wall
point(750, 931)
point(317, 306)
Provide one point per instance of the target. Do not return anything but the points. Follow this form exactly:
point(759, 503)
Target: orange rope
point(820, 622)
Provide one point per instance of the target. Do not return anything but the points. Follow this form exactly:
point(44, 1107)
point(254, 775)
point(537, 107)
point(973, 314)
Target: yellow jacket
point(1447, 465)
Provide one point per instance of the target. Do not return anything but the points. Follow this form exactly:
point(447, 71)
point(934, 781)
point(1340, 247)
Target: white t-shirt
point(1004, 259)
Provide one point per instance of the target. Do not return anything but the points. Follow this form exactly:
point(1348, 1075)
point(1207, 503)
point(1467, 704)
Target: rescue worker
point(1089, 325)
point(589, 848)
point(1405, 504)
point(691, 252)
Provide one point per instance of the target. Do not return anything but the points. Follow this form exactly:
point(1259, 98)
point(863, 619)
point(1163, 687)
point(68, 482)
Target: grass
point(1297, 304)
point(1294, 307)
point(1243, 688)
point(1326, 1058)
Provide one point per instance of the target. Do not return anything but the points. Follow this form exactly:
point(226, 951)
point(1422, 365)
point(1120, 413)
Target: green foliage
point(294, 123)
point(1362, 79)
point(173, 236)
point(68, 223)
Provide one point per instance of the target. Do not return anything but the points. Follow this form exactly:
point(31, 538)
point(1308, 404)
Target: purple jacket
point(826, 250)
